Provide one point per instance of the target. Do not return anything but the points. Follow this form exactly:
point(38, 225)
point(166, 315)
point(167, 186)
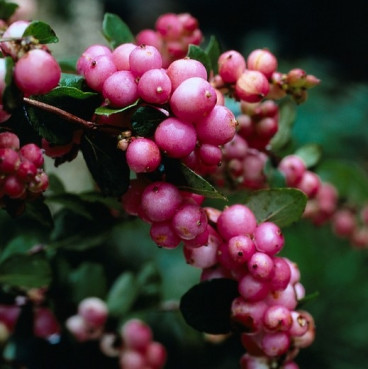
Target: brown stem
point(69, 116)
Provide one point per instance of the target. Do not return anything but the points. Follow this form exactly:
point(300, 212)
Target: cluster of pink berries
point(45, 324)
point(35, 71)
point(197, 126)
point(21, 173)
point(172, 36)
point(134, 347)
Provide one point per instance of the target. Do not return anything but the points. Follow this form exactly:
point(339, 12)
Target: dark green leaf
point(26, 271)
point(282, 206)
point(213, 51)
point(350, 179)
point(104, 110)
point(72, 80)
point(287, 111)
point(97, 197)
point(310, 153)
point(68, 65)
point(195, 52)
point(88, 280)
point(122, 295)
point(55, 128)
point(12, 97)
point(307, 298)
point(20, 245)
point(274, 177)
point(197, 184)
point(56, 185)
point(149, 285)
point(42, 32)
point(72, 202)
point(207, 306)
point(37, 210)
point(115, 30)
point(107, 164)
point(7, 9)
point(145, 121)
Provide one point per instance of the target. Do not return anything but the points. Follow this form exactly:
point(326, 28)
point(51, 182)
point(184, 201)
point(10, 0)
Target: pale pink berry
point(268, 238)
point(94, 311)
point(155, 86)
point(120, 55)
point(260, 265)
point(136, 334)
point(149, 37)
point(37, 72)
point(252, 86)
point(236, 220)
point(275, 344)
point(277, 318)
point(155, 355)
point(9, 140)
point(252, 289)
point(309, 183)
point(169, 26)
point(263, 61)
point(15, 30)
point(144, 58)
point(182, 69)
point(281, 274)
point(89, 54)
point(293, 168)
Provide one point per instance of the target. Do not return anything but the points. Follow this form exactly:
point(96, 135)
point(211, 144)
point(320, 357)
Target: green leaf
point(207, 306)
point(213, 51)
point(72, 92)
point(72, 202)
point(274, 177)
point(197, 184)
point(149, 286)
point(42, 32)
point(7, 9)
point(145, 121)
point(26, 271)
point(88, 280)
point(350, 180)
point(195, 52)
point(115, 30)
point(72, 80)
point(287, 111)
point(105, 110)
point(310, 153)
point(106, 163)
point(122, 295)
point(68, 65)
point(282, 206)
point(12, 97)
point(37, 210)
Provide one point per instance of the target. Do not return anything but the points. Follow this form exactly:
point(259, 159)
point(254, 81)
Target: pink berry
point(98, 70)
point(9, 160)
point(144, 58)
point(182, 69)
point(309, 183)
point(143, 155)
point(155, 86)
point(15, 30)
point(277, 318)
point(93, 310)
point(164, 235)
point(193, 99)
point(89, 54)
point(293, 168)
point(281, 274)
point(120, 88)
point(26, 171)
point(149, 37)
point(175, 137)
point(231, 65)
point(252, 86)
point(37, 72)
point(155, 355)
point(160, 201)
point(45, 323)
point(268, 238)
point(241, 248)
point(13, 186)
point(120, 55)
point(169, 26)
point(275, 344)
point(218, 127)
point(252, 289)
point(260, 265)
point(136, 334)
point(236, 220)
point(32, 153)
point(263, 61)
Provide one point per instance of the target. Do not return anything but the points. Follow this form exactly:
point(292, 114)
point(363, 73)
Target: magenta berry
point(136, 334)
point(89, 54)
point(37, 72)
point(120, 88)
point(241, 248)
point(13, 186)
point(277, 318)
point(45, 323)
point(193, 99)
point(275, 344)
point(98, 70)
point(176, 138)
point(160, 201)
point(9, 160)
point(236, 220)
point(260, 265)
point(218, 127)
point(120, 56)
point(252, 289)
point(164, 235)
point(32, 153)
point(293, 168)
point(281, 274)
point(231, 65)
point(143, 155)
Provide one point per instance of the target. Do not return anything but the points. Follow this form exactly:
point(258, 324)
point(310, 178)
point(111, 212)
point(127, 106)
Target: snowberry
point(263, 61)
point(144, 58)
point(93, 310)
point(231, 65)
point(120, 55)
point(252, 86)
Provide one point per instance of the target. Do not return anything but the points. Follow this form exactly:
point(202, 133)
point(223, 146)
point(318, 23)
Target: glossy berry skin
point(143, 155)
point(263, 61)
point(37, 72)
point(144, 58)
point(175, 137)
point(231, 65)
point(164, 235)
point(268, 238)
point(236, 220)
point(252, 86)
